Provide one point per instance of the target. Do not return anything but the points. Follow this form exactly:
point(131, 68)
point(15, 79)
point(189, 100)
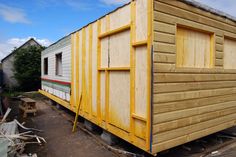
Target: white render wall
point(57, 89)
point(8, 69)
point(64, 47)
point(8, 73)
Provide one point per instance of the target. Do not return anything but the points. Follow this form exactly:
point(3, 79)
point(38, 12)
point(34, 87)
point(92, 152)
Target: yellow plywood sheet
point(193, 48)
point(119, 50)
point(141, 25)
point(141, 82)
point(94, 69)
point(119, 99)
point(230, 53)
point(103, 98)
point(80, 62)
point(120, 18)
point(104, 52)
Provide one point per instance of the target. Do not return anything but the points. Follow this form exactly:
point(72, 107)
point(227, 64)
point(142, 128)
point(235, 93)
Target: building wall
point(189, 103)
point(8, 69)
point(57, 85)
point(111, 71)
point(8, 74)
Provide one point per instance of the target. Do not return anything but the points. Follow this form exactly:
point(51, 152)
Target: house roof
point(14, 51)
point(193, 3)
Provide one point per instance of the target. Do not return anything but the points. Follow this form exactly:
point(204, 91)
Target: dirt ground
point(61, 142)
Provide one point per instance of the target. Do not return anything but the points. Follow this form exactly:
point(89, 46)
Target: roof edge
point(89, 24)
point(207, 8)
point(20, 47)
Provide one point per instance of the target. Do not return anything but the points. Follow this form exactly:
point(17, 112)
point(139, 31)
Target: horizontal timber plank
point(164, 38)
point(198, 11)
point(193, 103)
point(165, 136)
point(188, 15)
point(219, 40)
point(158, 128)
point(178, 96)
point(190, 137)
point(170, 116)
point(164, 58)
point(219, 48)
point(164, 27)
point(192, 77)
point(171, 68)
point(219, 55)
point(219, 62)
point(164, 47)
point(191, 86)
point(160, 17)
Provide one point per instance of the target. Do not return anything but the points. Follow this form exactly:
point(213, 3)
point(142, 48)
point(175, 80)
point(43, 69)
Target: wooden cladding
point(194, 48)
point(229, 53)
point(194, 76)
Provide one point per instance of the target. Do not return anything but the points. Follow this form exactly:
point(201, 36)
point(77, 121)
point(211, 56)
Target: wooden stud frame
point(128, 135)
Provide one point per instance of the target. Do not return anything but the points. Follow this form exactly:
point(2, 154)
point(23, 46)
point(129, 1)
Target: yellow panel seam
point(72, 71)
point(98, 73)
point(132, 69)
point(90, 68)
point(107, 80)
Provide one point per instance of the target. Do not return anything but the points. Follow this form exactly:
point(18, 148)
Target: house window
point(45, 65)
point(59, 64)
point(195, 49)
point(229, 53)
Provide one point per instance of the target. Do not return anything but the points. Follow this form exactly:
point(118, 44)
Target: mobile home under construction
point(156, 73)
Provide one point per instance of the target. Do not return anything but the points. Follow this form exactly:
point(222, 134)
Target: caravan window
point(59, 64)
point(45, 64)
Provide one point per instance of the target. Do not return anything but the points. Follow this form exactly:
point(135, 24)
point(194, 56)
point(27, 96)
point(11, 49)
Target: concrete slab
point(109, 138)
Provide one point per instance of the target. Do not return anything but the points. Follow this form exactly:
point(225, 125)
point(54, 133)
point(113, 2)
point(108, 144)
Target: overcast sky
point(49, 20)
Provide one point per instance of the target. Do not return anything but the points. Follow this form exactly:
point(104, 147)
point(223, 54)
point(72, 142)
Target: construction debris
point(12, 142)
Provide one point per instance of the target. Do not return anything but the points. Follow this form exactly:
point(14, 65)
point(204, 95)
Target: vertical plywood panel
point(87, 69)
point(119, 50)
point(87, 58)
point(120, 18)
point(103, 25)
point(104, 52)
point(94, 70)
point(102, 91)
point(73, 97)
point(119, 100)
point(229, 54)
point(141, 23)
point(80, 62)
point(193, 48)
point(141, 82)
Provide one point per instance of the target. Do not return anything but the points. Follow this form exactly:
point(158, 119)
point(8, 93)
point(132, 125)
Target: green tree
point(27, 66)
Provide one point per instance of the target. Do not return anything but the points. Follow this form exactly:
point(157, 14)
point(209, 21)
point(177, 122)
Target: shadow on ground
point(61, 142)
